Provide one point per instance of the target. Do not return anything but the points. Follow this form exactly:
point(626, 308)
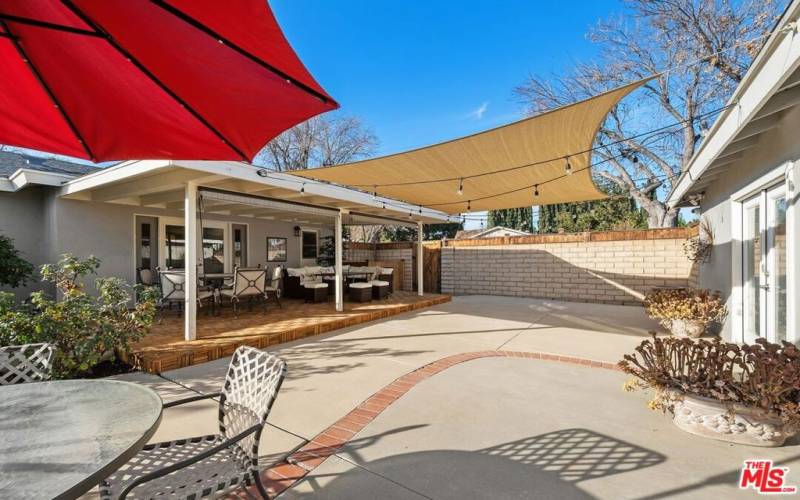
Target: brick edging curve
point(284, 475)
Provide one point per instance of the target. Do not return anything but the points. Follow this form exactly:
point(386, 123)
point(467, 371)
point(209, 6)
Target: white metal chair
point(20, 364)
point(274, 286)
point(215, 464)
point(173, 290)
point(247, 284)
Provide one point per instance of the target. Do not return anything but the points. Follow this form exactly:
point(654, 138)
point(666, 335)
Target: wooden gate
point(431, 266)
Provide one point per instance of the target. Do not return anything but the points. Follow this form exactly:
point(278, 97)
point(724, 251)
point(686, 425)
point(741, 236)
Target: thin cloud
point(478, 112)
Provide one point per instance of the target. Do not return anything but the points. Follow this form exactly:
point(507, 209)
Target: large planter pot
point(744, 425)
point(687, 328)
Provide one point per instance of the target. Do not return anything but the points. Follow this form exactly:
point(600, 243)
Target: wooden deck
point(218, 336)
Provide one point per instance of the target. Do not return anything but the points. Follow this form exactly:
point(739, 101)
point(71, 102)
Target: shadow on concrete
point(544, 466)
point(577, 454)
point(306, 359)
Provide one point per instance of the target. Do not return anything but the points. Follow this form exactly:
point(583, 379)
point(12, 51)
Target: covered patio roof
point(274, 196)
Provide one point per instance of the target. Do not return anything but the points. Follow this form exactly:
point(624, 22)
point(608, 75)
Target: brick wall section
point(384, 251)
point(613, 267)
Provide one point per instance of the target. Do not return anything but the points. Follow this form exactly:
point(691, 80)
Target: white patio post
point(337, 231)
point(420, 259)
point(190, 260)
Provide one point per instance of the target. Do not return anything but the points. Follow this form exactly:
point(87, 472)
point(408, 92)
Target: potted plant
point(740, 394)
point(685, 312)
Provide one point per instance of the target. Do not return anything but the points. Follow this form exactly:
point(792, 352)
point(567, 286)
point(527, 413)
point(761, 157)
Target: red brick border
point(282, 476)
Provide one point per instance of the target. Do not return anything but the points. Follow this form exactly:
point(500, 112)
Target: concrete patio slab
point(330, 374)
point(517, 428)
point(369, 485)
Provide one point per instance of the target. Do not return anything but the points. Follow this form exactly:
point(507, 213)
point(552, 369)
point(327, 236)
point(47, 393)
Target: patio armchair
point(20, 364)
point(215, 464)
point(274, 286)
point(248, 284)
point(387, 274)
point(292, 283)
point(173, 290)
point(146, 276)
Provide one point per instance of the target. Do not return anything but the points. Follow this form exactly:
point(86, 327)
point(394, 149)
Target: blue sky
point(422, 72)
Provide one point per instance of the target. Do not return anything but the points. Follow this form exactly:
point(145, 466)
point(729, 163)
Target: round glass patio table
point(60, 439)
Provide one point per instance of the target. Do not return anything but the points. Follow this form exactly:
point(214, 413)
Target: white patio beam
point(420, 259)
point(148, 185)
point(190, 261)
point(161, 198)
point(337, 252)
point(782, 100)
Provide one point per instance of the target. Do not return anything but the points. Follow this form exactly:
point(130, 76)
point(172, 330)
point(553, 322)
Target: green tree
point(619, 212)
point(520, 219)
point(430, 232)
point(14, 270)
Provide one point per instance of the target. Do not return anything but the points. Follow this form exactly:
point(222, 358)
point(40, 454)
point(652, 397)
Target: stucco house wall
point(45, 226)
point(773, 151)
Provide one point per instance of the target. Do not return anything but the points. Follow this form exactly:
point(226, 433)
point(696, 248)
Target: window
point(175, 246)
point(309, 245)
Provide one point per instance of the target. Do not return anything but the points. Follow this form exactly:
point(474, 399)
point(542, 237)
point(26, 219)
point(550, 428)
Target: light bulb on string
point(469, 205)
point(536, 190)
point(374, 192)
point(303, 188)
point(568, 167)
point(460, 187)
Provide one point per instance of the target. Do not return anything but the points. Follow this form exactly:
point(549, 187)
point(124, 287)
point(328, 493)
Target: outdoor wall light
point(297, 230)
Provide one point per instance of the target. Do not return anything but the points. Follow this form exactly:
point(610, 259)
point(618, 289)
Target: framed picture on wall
point(276, 249)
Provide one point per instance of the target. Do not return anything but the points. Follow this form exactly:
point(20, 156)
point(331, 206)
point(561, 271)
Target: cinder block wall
point(616, 267)
point(384, 251)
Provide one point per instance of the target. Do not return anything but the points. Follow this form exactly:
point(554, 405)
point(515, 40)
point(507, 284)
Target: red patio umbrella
point(137, 79)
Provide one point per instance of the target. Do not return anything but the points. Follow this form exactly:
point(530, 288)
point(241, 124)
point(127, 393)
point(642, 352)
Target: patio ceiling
point(498, 168)
point(281, 197)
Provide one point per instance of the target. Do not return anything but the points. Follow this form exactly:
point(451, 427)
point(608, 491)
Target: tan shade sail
point(509, 159)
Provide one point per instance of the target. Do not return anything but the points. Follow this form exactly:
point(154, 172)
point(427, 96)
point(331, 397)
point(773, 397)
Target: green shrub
point(14, 270)
point(86, 329)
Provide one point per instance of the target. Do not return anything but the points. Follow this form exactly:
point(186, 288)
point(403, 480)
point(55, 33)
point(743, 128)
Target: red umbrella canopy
point(138, 79)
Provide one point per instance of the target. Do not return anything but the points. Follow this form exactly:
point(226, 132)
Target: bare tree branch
point(706, 45)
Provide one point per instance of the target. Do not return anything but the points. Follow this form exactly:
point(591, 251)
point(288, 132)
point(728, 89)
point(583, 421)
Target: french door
point(764, 268)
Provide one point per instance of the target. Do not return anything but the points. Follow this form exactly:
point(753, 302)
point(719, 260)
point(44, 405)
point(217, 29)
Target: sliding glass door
point(764, 267)
point(223, 245)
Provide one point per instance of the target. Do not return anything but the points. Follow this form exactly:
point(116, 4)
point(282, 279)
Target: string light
point(536, 190)
point(375, 193)
point(303, 188)
point(664, 128)
point(568, 168)
point(635, 159)
point(469, 205)
point(460, 187)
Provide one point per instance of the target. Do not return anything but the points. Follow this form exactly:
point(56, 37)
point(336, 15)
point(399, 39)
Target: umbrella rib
point(44, 24)
point(127, 55)
point(48, 90)
point(208, 31)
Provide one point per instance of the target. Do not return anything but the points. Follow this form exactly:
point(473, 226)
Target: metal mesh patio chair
point(215, 464)
point(247, 284)
point(20, 364)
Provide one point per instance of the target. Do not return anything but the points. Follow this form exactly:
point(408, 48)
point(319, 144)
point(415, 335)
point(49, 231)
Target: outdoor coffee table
point(60, 439)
